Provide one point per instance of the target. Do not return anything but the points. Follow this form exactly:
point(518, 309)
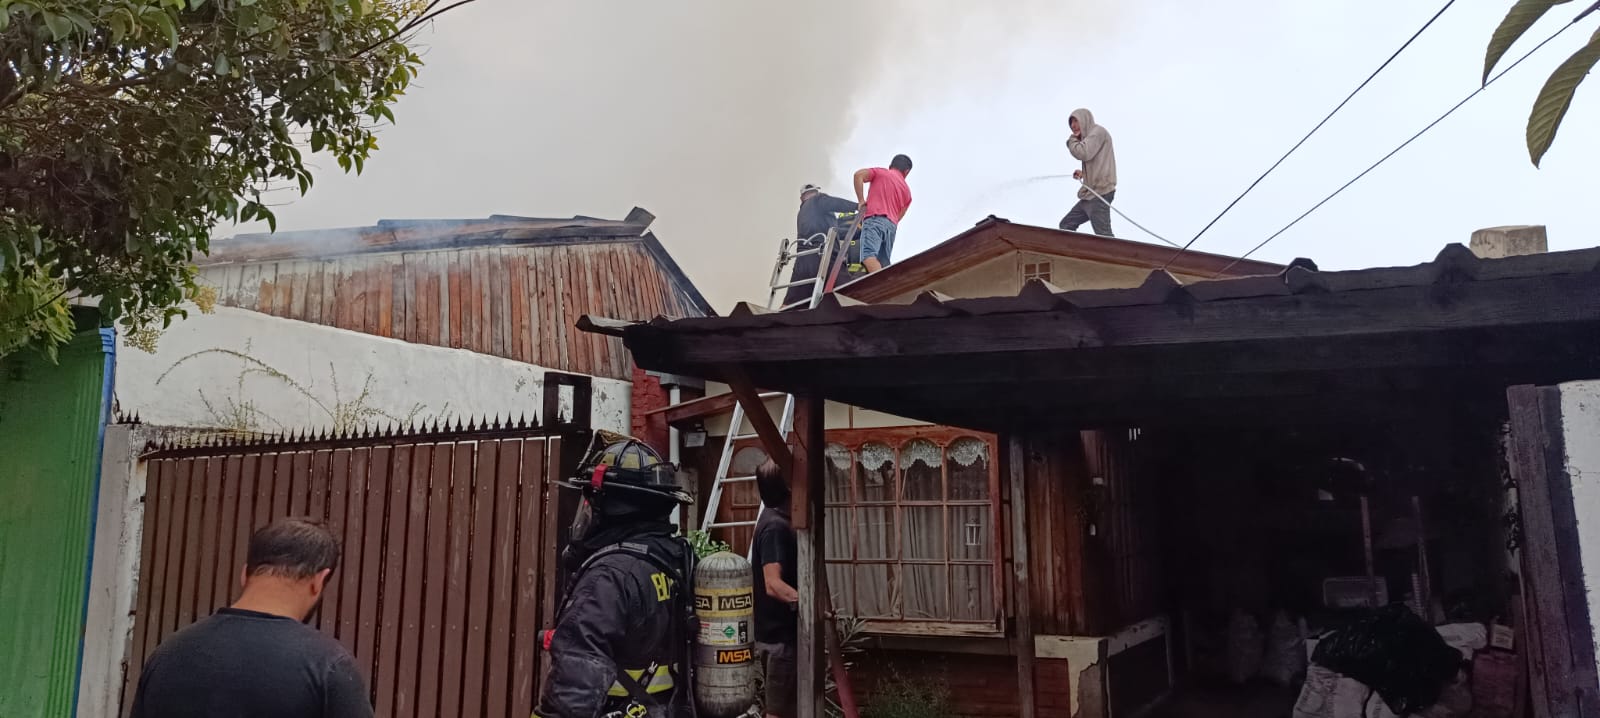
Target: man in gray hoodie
point(1092, 144)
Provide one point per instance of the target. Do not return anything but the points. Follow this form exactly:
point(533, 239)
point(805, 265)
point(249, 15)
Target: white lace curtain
point(906, 516)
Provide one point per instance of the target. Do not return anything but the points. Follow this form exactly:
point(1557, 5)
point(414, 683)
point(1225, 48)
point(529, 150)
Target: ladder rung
point(737, 479)
point(730, 524)
point(807, 252)
point(786, 285)
point(772, 394)
point(742, 437)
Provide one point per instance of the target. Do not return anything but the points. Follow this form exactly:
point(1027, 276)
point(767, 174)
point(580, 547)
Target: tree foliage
point(1555, 98)
point(129, 128)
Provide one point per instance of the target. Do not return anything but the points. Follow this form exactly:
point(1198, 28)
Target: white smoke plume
point(708, 113)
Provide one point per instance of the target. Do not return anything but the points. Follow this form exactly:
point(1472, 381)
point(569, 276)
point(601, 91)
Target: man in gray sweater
point(1091, 143)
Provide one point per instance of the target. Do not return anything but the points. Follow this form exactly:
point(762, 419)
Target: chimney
point(1516, 240)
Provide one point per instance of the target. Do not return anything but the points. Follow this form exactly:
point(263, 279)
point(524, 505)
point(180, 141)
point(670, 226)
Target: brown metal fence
point(449, 549)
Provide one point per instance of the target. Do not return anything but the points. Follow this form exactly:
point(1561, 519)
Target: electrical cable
point(1313, 131)
point(1403, 145)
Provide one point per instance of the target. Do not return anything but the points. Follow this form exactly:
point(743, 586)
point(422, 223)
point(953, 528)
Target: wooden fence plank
point(455, 589)
point(267, 466)
point(338, 473)
point(206, 583)
point(424, 467)
point(316, 507)
point(436, 561)
point(355, 532)
point(473, 675)
point(283, 482)
point(499, 664)
point(530, 548)
point(394, 542)
point(234, 494)
point(377, 491)
point(195, 489)
point(300, 484)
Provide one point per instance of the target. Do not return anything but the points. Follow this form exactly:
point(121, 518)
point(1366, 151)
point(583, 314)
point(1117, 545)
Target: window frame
point(897, 439)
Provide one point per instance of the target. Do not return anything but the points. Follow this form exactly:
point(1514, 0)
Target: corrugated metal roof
point(401, 235)
point(1454, 264)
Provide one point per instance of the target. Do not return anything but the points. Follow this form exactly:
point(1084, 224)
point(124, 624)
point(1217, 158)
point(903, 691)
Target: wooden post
point(1559, 639)
point(1024, 584)
point(813, 625)
point(756, 411)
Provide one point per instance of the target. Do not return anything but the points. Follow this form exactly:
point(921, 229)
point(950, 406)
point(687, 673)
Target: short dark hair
point(771, 485)
point(292, 548)
point(902, 163)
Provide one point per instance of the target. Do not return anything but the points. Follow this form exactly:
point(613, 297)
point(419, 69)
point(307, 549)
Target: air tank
point(724, 656)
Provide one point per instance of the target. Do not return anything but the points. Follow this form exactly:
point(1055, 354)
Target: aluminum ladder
point(827, 268)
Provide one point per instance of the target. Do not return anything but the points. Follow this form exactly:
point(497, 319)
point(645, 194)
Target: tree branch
point(422, 17)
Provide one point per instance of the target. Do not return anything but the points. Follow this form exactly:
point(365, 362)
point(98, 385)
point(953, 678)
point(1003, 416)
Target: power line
point(1313, 131)
point(1403, 145)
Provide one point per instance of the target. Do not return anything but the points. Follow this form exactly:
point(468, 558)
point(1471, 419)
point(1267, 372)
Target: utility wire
point(1403, 145)
point(1313, 131)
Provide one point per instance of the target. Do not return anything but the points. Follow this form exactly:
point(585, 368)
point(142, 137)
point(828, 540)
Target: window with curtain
point(913, 530)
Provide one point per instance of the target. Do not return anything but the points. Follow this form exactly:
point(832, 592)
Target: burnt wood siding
point(517, 302)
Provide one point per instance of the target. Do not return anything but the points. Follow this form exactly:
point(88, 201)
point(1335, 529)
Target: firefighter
point(620, 646)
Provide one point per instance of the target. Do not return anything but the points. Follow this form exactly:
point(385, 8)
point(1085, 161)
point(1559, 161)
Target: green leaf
point(59, 26)
point(1517, 21)
point(220, 65)
point(163, 22)
point(1555, 98)
point(120, 25)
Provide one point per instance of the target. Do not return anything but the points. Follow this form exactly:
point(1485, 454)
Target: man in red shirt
point(883, 209)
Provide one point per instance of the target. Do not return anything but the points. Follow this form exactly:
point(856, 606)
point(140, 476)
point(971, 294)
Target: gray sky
point(711, 114)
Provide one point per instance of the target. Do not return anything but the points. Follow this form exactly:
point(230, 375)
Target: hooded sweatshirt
point(1093, 146)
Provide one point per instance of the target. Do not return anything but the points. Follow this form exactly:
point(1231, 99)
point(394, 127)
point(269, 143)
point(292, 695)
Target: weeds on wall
point(240, 414)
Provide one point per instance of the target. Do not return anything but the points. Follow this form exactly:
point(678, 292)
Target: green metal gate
point(51, 421)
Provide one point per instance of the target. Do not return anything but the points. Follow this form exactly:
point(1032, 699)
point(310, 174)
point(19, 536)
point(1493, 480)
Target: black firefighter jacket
point(619, 616)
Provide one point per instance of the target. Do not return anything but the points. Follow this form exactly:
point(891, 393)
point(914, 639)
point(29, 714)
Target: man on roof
point(1091, 143)
point(883, 209)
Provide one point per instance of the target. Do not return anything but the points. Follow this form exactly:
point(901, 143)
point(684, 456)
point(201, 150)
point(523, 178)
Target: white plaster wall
point(1580, 419)
point(113, 588)
point(212, 370)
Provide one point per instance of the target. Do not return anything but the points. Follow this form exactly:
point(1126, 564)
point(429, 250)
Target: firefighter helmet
point(630, 465)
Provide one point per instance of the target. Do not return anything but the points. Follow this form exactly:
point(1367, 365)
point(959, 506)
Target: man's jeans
point(1093, 211)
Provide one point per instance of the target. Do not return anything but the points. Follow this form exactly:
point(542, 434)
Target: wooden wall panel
point(517, 302)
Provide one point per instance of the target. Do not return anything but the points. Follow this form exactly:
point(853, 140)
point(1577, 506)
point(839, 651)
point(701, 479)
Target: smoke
point(709, 113)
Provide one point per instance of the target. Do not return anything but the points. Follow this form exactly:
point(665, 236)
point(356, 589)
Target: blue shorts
point(877, 238)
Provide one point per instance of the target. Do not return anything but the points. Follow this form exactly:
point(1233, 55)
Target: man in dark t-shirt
point(256, 658)
point(775, 561)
